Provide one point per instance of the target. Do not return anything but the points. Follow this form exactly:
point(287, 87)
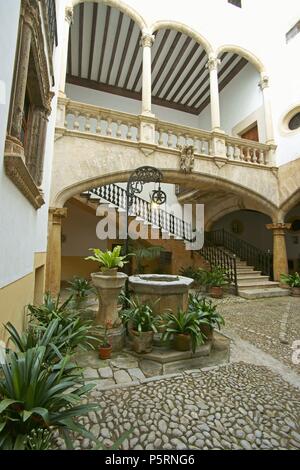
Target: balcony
point(95, 123)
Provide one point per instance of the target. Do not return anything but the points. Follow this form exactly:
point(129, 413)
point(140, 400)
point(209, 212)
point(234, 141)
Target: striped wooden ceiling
point(105, 54)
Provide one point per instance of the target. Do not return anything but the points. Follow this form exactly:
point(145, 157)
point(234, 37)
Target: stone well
point(168, 291)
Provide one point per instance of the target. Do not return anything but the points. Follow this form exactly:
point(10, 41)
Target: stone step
point(257, 283)
point(245, 268)
point(252, 277)
point(246, 272)
point(258, 293)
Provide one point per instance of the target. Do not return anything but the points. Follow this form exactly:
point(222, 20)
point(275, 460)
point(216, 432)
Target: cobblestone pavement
point(272, 325)
point(238, 406)
point(242, 405)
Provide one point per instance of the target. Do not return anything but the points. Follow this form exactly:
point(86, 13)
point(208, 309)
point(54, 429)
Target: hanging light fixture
point(158, 196)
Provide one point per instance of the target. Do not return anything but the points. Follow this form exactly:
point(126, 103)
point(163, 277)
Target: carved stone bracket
point(187, 158)
point(264, 82)
point(213, 63)
point(69, 14)
point(17, 171)
point(58, 213)
point(147, 40)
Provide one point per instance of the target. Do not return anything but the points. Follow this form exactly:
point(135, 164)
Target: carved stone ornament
point(212, 63)
point(264, 82)
point(69, 13)
point(187, 158)
point(17, 171)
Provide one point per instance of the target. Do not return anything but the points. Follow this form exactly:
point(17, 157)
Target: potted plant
point(105, 348)
point(184, 329)
point(209, 317)
point(215, 280)
point(110, 261)
point(292, 280)
point(142, 324)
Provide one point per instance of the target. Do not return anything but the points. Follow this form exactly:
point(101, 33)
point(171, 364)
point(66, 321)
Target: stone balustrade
point(85, 118)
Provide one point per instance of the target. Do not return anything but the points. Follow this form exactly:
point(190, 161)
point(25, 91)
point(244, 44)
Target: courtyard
point(251, 402)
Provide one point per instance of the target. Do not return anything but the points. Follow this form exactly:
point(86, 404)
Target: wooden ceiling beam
point(93, 34)
point(181, 70)
point(190, 73)
point(160, 48)
point(133, 60)
point(115, 45)
point(125, 50)
point(167, 58)
point(107, 18)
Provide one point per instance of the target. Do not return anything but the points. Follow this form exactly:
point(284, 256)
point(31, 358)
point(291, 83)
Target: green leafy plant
point(52, 309)
point(140, 316)
point(58, 338)
point(189, 271)
point(104, 342)
point(217, 277)
point(206, 311)
point(183, 323)
point(39, 439)
point(34, 397)
point(108, 259)
point(80, 289)
point(292, 280)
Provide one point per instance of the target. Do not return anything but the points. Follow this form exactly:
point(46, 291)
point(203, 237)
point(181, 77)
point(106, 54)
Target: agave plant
point(51, 309)
point(57, 338)
point(108, 259)
point(184, 323)
point(34, 397)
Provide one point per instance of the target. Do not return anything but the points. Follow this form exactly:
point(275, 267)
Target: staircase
point(249, 268)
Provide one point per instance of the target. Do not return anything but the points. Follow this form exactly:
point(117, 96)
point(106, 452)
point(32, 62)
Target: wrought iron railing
point(160, 218)
point(261, 260)
point(217, 257)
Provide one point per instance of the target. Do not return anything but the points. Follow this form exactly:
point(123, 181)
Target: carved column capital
point(58, 213)
point(69, 13)
point(212, 63)
point(147, 40)
point(279, 228)
point(264, 82)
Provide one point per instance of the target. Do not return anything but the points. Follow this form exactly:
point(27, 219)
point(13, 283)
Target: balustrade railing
point(107, 123)
point(100, 121)
point(261, 260)
point(160, 218)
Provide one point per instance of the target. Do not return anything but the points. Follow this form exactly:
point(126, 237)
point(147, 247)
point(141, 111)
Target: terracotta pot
point(216, 292)
point(182, 342)
point(142, 342)
point(295, 291)
point(105, 353)
point(207, 331)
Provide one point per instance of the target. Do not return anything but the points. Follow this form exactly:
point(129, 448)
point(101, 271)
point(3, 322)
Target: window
point(294, 122)
point(30, 107)
point(237, 3)
point(293, 32)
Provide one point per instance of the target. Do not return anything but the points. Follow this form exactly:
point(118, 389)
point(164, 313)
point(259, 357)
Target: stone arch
point(235, 208)
point(252, 58)
point(289, 204)
point(120, 5)
point(182, 28)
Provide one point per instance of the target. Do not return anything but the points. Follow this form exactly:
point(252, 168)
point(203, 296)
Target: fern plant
point(108, 259)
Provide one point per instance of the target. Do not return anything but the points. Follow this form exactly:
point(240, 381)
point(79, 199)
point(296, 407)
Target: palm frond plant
point(34, 397)
point(108, 260)
point(141, 322)
point(184, 328)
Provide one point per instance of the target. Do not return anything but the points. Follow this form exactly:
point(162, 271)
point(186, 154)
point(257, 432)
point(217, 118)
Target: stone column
point(21, 80)
point(264, 86)
point(280, 262)
point(53, 275)
point(212, 65)
point(147, 41)
point(65, 43)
